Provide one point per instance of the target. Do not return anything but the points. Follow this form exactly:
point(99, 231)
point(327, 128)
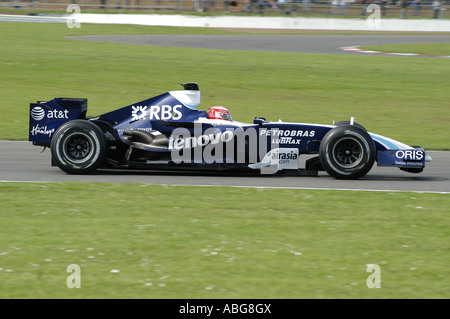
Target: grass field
point(146, 241)
point(403, 98)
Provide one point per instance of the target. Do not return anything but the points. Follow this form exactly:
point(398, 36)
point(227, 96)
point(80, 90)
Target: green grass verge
point(438, 49)
point(149, 241)
point(403, 98)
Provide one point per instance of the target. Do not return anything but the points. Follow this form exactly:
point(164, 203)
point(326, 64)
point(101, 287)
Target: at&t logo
point(38, 113)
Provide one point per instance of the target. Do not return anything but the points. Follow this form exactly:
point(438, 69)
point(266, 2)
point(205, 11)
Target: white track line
point(259, 187)
point(357, 49)
point(313, 188)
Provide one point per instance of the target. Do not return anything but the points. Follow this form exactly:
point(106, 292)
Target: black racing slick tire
point(347, 152)
point(348, 123)
point(78, 147)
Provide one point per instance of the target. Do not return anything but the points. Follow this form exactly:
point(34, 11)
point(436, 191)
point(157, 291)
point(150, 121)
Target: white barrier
point(293, 23)
point(32, 18)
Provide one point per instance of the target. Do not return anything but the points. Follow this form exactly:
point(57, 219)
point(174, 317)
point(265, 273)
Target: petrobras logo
point(275, 132)
point(292, 137)
point(410, 155)
point(156, 112)
point(37, 113)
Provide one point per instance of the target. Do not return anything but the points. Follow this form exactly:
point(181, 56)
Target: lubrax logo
point(38, 113)
point(156, 112)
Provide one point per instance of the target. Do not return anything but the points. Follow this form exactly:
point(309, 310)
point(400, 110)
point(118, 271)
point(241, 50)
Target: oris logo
point(410, 155)
point(37, 113)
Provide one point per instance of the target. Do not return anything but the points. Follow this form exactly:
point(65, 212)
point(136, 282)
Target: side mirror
point(191, 86)
point(259, 120)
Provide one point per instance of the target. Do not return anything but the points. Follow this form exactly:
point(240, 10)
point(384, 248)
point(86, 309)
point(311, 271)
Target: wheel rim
point(348, 152)
point(78, 148)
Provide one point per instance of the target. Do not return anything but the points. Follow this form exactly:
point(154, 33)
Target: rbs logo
point(156, 112)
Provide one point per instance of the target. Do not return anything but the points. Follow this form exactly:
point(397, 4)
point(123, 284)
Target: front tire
point(341, 123)
point(78, 147)
point(347, 152)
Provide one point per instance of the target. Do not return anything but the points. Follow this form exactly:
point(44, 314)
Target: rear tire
point(78, 147)
point(347, 152)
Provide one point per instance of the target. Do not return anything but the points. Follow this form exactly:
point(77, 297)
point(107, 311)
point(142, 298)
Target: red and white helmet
point(219, 113)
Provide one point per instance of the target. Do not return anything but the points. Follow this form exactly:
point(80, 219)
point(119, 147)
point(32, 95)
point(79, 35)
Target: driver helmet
point(219, 113)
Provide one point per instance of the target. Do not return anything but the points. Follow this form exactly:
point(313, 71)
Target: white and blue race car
point(169, 132)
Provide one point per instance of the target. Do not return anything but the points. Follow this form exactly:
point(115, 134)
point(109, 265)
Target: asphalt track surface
point(318, 44)
point(20, 161)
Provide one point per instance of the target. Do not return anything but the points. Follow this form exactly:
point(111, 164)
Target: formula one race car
point(169, 132)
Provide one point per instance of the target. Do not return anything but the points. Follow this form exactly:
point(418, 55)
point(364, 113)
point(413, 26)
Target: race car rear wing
point(47, 116)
